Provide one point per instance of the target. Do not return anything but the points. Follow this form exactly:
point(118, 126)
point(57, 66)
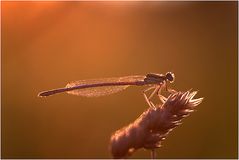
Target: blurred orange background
point(45, 45)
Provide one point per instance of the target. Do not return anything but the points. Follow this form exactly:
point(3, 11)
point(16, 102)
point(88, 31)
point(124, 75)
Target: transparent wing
point(102, 90)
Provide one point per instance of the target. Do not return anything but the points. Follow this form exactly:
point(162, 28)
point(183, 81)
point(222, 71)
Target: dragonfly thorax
point(155, 78)
point(159, 78)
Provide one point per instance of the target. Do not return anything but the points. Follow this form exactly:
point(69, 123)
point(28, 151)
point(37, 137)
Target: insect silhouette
point(107, 86)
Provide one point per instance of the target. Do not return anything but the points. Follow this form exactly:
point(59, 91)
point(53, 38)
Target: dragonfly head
point(170, 77)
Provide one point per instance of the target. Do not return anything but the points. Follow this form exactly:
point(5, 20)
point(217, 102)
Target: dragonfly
point(107, 86)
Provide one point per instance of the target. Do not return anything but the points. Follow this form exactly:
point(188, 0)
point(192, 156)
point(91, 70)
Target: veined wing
point(104, 86)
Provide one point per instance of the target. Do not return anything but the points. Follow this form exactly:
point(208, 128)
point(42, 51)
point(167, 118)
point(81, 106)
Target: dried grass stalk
point(151, 128)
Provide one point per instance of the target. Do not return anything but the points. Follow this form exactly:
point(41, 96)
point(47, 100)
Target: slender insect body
point(107, 86)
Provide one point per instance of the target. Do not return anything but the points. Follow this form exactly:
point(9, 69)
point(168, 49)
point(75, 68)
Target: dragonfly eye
point(170, 77)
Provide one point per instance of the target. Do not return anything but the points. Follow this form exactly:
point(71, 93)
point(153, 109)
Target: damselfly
point(107, 86)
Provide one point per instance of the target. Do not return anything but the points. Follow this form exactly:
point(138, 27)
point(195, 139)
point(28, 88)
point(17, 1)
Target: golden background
point(45, 45)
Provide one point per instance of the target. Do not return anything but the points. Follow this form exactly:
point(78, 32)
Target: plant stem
point(153, 154)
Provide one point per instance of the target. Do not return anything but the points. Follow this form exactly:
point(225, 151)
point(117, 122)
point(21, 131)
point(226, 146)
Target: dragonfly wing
point(102, 90)
point(97, 91)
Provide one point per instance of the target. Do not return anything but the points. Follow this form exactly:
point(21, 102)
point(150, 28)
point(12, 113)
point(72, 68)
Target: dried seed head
point(151, 128)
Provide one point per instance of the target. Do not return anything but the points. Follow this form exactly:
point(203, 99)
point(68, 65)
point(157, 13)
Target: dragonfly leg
point(149, 102)
point(157, 88)
point(169, 89)
point(161, 97)
point(147, 99)
point(155, 91)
